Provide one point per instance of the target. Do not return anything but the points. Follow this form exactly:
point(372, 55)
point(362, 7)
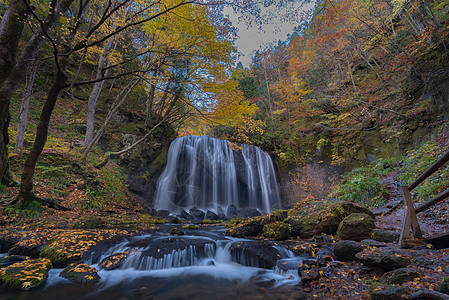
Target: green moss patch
point(26, 275)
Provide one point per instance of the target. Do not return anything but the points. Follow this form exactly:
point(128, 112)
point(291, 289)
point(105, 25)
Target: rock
point(388, 292)
point(176, 231)
point(26, 275)
point(7, 241)
point(254, 254)
point(314, 217)
point(356, 227)
point(284, 265)
point(425, 294)
point(232, 211)
point(373, 243)
point(174, 220)
point(346, 250)
point(211, 215)
point(185, 215)
point(386, 236)
point(384, 258)
point(309, 275)
point(80, 273)
point(422, 261)
point(11, 259)
point(28, 247)
point(197, 214)
point(88, 222)
point(278, 215)
point(248, 212)
point(248, 228)
point(222, 216)
point(443, 286)
point(114, 261)
point(163, 213)
point(304, 248)
point(295, 227)
point(399, 276)
point(277, 230)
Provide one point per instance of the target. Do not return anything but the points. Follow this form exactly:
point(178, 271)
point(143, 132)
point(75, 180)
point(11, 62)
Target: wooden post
point(410, 220)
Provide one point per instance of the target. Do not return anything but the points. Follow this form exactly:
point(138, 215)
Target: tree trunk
point(11, 27)
point(24, 111)
point(95, 94)
point(26, 194)
point(16, 74)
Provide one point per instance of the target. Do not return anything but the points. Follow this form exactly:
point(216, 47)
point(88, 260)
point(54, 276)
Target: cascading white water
point(207, 173)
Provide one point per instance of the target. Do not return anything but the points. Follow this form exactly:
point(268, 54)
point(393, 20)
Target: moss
point(80, 273)
point(176, 231)
point(277, 230)
point(89, 222)
point(27, 274)
point(190, 226)
point(114, 261)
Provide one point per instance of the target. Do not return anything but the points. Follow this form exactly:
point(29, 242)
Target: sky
point(280, 23)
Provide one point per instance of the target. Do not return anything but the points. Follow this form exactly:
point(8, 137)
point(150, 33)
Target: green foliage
point(364, 185)
point(190, 226)
point(419, 160)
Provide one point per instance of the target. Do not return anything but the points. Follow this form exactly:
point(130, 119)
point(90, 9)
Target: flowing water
point(209, 174)
point(203, 264)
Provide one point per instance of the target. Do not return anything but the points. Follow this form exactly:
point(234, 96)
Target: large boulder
point(26, 275)
point(197, 214)
point(314, 217)
point(356, 227)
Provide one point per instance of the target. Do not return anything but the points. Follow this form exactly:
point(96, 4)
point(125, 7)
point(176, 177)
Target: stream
point(201, 264)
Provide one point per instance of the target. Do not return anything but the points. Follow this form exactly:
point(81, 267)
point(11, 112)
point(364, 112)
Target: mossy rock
point(277, 230)
point(399, 276)
point(385, 258)
point(176, 231)
point(114, 261)
point(313, 217)
point(278, 215)
point(190, 226)
point(356, 227)
point(80, 273)
point(27, 274)
point(248, 228)
point(88, 222)
point(443, 286)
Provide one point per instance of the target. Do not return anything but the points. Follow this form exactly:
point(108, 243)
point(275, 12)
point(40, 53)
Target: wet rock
point(232, 211)
point(399, 276)
point(323, 216)
point(422, 261)
point(443, 286)
point(176, 231)
point(28, 247)
point(277, 230)
point(222, 216)
point(7, 241)
point(11, 259)
point(278, 215)
point(287, 264)
point(346, 250)
point(324, 256)
point(254, 254)
point(248, 228)
point(356, 227)
point(185, 215)
point(80, 273)
point(163, 213)
point(248, 212)
point(304, 248)
point(388, 292)
point(211, 215)
point(309, 275)
point(26, 275)
point(386, 236)
point(295, 227)
point(114, 261)
point(164, 246)
point(385, 258)
point(197, 214)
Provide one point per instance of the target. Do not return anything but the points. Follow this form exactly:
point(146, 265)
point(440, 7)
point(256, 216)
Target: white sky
point(282, 22)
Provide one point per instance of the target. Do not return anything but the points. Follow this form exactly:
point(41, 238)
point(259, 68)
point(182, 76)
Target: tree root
point(22, 202)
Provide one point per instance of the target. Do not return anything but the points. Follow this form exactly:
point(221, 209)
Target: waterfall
point(207, 173)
